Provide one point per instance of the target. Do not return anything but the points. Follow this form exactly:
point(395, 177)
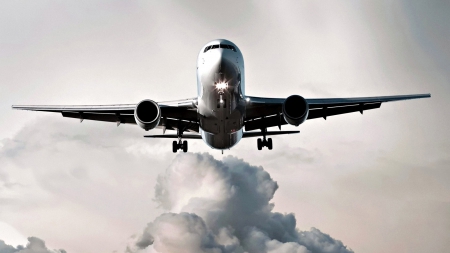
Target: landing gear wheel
point(259, 144)
point(269, 143)
point(185, 146)
point(174, 146)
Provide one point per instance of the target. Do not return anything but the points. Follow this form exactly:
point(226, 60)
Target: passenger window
point(206, 49)
point(214, 46)
point(232, 48)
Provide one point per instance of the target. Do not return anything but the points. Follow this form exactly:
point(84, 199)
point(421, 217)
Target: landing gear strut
point(183, 145)
point(264, 142)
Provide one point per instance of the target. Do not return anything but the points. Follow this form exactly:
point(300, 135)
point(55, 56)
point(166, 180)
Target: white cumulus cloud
point(224, 206)
point(35, 245)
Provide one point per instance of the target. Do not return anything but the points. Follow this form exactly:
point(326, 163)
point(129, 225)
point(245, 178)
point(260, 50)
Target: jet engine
point(147, 114)
point(295, 110)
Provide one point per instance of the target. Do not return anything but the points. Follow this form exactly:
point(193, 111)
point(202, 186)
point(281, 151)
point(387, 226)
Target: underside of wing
point(174, 114)
point(268, 112)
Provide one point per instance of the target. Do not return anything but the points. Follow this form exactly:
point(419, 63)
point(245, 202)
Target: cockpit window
point(219, 46)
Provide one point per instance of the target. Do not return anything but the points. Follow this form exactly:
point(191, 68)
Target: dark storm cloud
point(35, 245)
point(224, 206)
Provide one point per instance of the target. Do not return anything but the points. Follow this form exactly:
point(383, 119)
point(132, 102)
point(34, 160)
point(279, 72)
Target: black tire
point(269, 143)
point(259, 142)
point(174, 146)
point(185, 146)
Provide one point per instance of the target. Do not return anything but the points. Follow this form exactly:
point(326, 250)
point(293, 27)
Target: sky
point(377, 182)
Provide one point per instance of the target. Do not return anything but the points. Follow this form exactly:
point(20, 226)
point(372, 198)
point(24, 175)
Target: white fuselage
point(221, 94)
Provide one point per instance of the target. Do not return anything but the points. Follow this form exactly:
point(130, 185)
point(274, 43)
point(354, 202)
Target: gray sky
point(378, 182)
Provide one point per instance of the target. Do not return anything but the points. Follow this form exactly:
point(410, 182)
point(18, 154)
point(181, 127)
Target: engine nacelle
point(295, 110)
point(147, 114)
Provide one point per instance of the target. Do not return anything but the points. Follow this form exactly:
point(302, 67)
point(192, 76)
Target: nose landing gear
point(264, 142)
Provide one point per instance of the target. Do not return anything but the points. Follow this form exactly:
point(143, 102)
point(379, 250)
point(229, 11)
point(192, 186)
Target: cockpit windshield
point(225, 46)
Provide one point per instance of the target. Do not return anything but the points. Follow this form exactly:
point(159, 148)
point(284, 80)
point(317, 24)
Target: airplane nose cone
point(219, 73)
point(224, 69)
point(216, 58)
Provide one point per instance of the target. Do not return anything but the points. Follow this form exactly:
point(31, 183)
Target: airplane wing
point(267, 112)
point(174, 114)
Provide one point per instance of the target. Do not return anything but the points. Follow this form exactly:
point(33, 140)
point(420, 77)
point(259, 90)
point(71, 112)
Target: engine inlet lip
point(305, 105)
point(157, 115)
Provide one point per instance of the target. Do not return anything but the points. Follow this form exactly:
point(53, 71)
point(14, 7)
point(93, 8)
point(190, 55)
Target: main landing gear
point(180, 145)
point(183, 145)
point(264, 142)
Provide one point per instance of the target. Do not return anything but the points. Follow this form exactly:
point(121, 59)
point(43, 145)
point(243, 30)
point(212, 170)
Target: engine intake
point(295, 110)
point(147, 114)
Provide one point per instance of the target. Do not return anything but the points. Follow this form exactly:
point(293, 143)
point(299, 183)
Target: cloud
point(224, 206)
point(35, 245)
point(177, 232)
point(81, 178)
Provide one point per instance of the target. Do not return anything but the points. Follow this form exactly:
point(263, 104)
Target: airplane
point(221, 111)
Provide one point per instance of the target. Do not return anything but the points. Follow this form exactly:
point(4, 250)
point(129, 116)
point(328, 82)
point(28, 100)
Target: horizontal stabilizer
point(197, 136)
point(174, 136)
point(257, 134)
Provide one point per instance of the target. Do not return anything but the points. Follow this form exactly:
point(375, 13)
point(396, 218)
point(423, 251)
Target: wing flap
point(271, 121)
point(325, 112)
point(170, 124)
point(257, 110)
point(182, 113)
point(107, 117)
point(173, 124)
